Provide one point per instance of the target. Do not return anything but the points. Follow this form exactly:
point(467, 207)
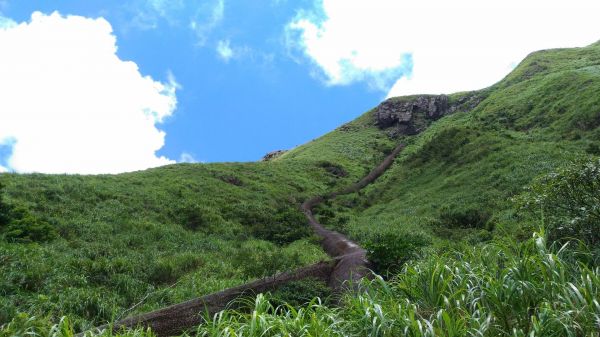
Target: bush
point(453, 218)
point(260, 259)
point(17, 224)
point(388, 252)
point(170, 269)
point(198, 217)
point(282, 225)
point(568, 201)
point(593, 148)
point(28, 228)
point(298, 293)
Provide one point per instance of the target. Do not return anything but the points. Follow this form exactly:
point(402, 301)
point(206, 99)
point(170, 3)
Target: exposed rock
point(408, 116)
point(272, 155)
point(395, 111)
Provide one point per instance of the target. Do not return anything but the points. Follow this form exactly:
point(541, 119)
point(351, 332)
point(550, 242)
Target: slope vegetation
point(93, 247)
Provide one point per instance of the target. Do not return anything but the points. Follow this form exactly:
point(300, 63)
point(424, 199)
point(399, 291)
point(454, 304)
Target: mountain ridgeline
point(486, 224)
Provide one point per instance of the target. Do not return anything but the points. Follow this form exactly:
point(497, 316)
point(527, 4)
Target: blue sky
point(234, 79)
point(235, 110)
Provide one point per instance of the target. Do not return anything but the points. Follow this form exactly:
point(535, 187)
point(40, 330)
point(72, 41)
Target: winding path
point(352, 260)
point(347, 268)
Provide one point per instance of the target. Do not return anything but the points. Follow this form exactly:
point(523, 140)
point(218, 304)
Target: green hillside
point(449, 225)
point(543, 115)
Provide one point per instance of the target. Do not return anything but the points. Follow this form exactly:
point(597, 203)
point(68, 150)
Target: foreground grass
point(497, 289)
point(112, 246)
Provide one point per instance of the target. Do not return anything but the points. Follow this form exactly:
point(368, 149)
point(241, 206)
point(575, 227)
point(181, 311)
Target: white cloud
point(457, 45)
point(186, 158)
point(224, 50)
point(200, 16)
point(6, 23)
point(206, 18)
point(71, 105)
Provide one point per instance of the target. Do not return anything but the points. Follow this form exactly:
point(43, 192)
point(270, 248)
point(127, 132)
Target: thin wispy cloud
point(207, 17)
point(224, 50)
point(201, 17)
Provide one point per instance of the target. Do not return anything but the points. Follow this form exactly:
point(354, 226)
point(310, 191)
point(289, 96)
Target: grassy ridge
point(541, 116)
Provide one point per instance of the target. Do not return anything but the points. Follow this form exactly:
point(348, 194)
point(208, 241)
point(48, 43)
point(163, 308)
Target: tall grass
point(499, 289)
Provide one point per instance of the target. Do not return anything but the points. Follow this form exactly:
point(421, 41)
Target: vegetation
point(518, 289)
point(569, 202)
point(449, 226)
point(521, 289)
point(93, 247)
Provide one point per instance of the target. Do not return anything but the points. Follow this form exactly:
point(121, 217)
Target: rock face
point(394, 111)
point(409, 116)
point(272, 155)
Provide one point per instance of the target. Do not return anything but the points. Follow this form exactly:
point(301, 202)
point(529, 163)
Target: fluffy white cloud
point(69, 104)
point(224, 50)
point(455, 45)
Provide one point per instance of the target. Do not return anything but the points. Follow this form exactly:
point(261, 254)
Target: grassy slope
point(172, 233)
point(546, 112)
point(542, 114)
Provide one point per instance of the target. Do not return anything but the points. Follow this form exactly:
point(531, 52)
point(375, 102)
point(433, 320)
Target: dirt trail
point(352, 259)
point(348, 266)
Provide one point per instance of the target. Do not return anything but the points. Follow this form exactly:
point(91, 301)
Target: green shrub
point(17, 224)
point(282, 225)
point(568, 201)
point(593, 148)
point(197, 217)
point(26, 228)
point(169, 269)
point(298, 293)
point(454, 218)
point(260, 259)
point(388, 252)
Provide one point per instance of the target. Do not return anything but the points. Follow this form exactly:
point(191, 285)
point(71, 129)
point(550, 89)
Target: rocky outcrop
point(272, 155)
point(410, 115)
point(395, 111)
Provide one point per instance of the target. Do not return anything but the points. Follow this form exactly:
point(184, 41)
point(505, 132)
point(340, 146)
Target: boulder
point(395, 111)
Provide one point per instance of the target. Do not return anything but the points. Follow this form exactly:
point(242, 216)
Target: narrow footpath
point(352, 263)
point(348, 266)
